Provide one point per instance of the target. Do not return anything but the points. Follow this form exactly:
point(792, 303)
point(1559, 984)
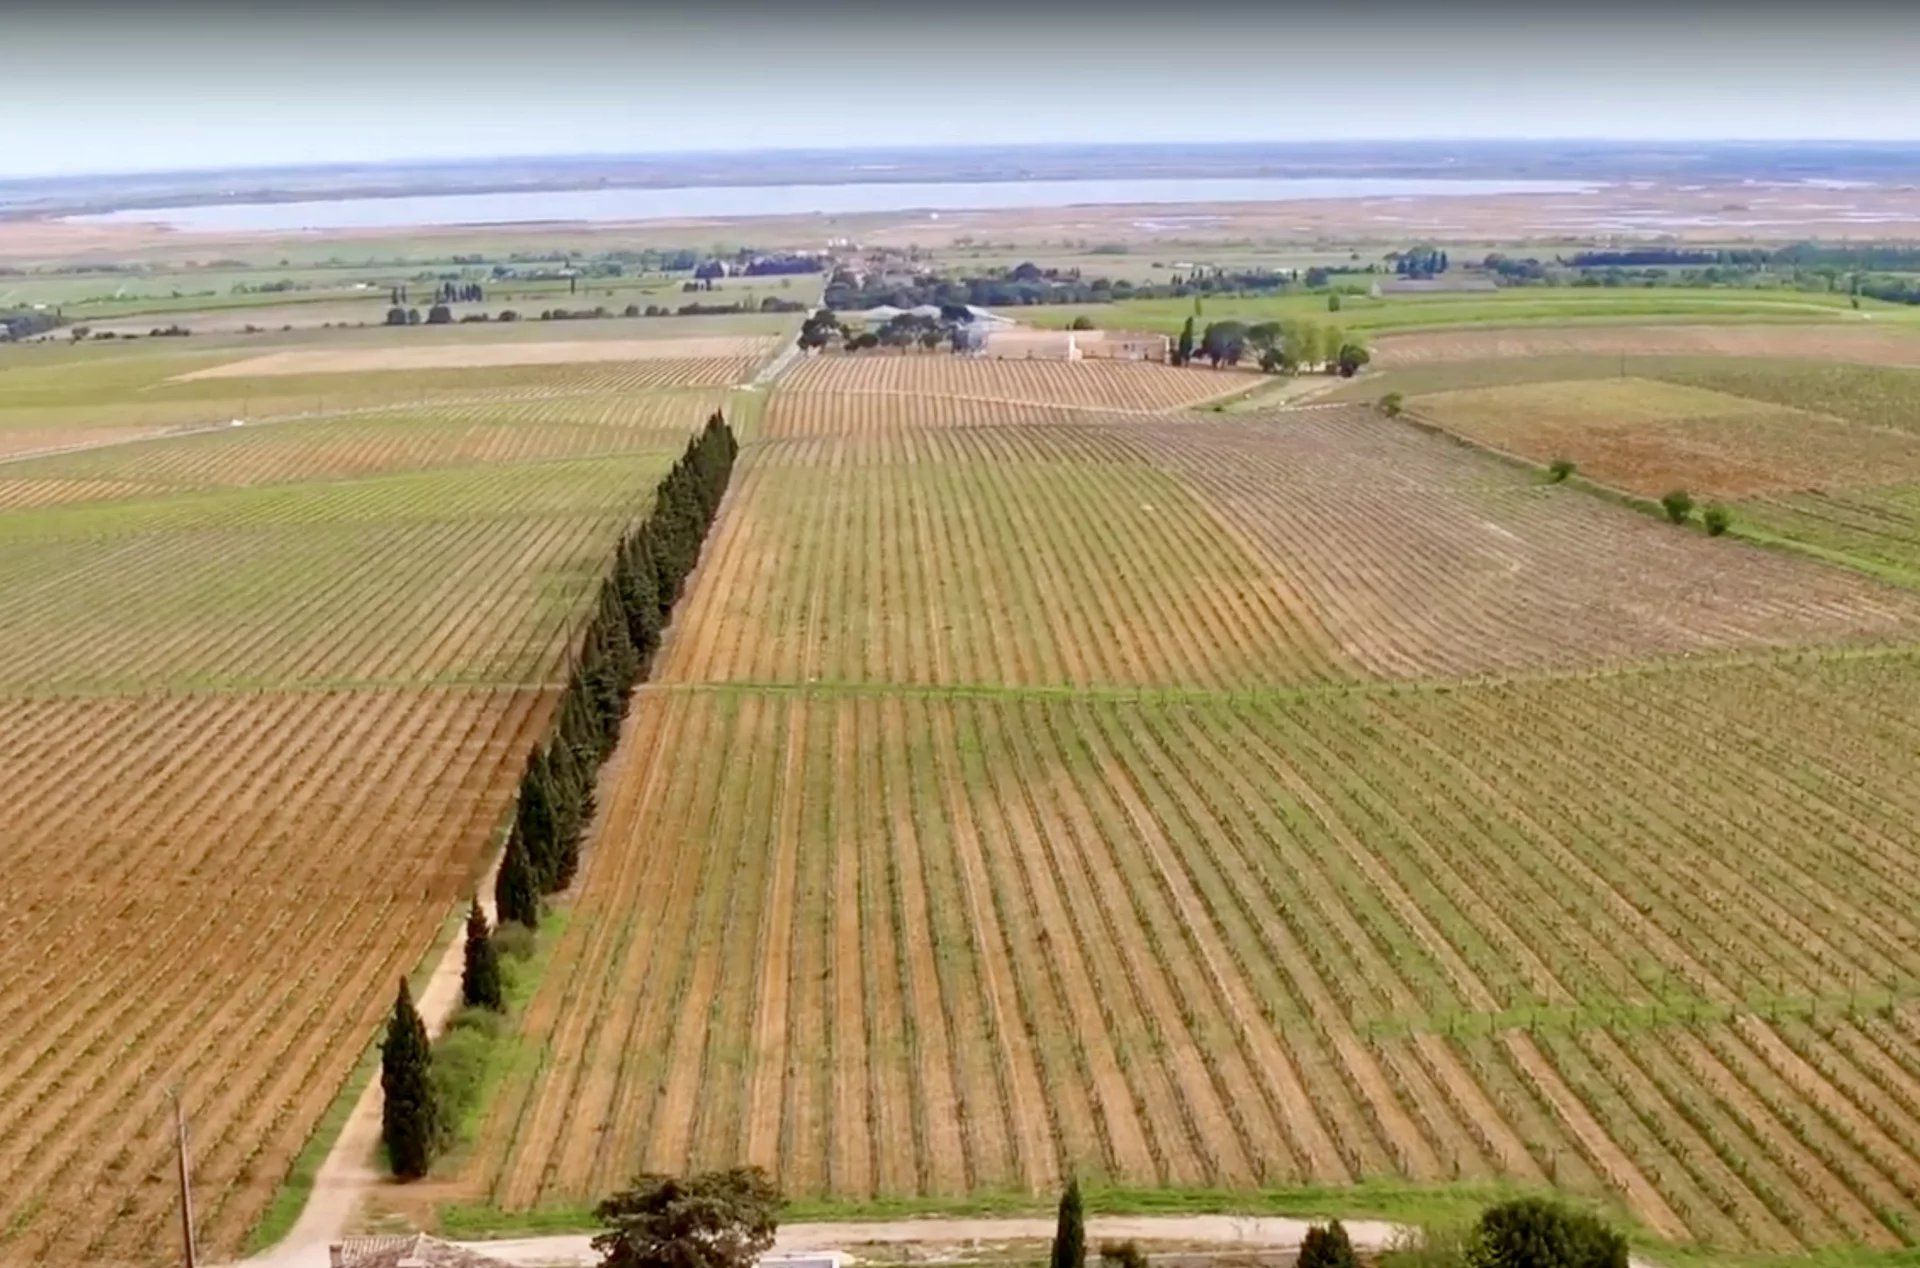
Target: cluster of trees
point(823, 328)
point(1028, 284)
point(24, 325)
point(1418, 262)
point(460, 293)
point(1281, 347)
point(621, 636)
point(556, 790)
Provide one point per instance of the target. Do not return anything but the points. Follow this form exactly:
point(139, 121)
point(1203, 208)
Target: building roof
point(413, 1250)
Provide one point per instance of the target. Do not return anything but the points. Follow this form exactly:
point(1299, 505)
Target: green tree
point(1183, 352)
point(1678, 505)
point(409, 1115)
point(516, 894)
point(1391, 404)
point(1350, 357)
point(1716, 520)
point(1333, 302)
point(480, 976)
point(1559, 469)
point(534, 820)
point(1327, 1247)
point(1536, 1233)
point(1070, 1233)
point(722, 1219)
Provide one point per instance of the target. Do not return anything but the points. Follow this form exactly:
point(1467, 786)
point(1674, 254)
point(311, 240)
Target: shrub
point(1082, 322)
point(1122, 1255)
point(1428, 1246)
point(1678, 505)
point(1391, 404)
point(1717, 520)
point(1327, 1247)
point(513, 942)
point(1536, 1233)
point(1559, 469)
point(722, 1219)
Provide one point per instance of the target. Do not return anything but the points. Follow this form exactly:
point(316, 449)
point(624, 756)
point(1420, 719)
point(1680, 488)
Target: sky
point(123, 87)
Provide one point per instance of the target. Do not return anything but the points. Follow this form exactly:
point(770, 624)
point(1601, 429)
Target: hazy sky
point(154, 86)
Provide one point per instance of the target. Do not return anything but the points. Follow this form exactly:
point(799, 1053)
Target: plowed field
point(1199, 804)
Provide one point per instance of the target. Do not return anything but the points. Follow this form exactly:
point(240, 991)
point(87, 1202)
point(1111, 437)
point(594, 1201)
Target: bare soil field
point(1851, 341)
point(221, 890)
point(891, 944)
point(1317, 545)
point(1649, 437)
point(1109, 385)
point(268, 692)
point(461, 355)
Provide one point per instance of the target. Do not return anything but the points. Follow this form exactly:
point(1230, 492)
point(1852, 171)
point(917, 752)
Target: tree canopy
point(721, 1219)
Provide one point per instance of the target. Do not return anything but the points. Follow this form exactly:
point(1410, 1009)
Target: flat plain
point(268, 691)
point(1194, 802)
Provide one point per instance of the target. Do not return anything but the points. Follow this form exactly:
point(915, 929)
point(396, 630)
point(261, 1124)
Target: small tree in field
point(1122, 1255)
point(1183, 351)
point(723, 1219)
point(1559, 469)
point(409, 1115)
point(1391, 404)
point(1327, 1247)
point(1536, 1233)
point(1716, 519)
point(480, 976)
point(1070, 1233)
point(1678, 505)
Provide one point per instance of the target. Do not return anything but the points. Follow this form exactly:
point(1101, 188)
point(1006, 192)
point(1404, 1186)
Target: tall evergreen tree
point(1070, 1234)
point(1184, 352)
point(534, 820)
point(480, 977)
point(516, 891)
point(409, 1116)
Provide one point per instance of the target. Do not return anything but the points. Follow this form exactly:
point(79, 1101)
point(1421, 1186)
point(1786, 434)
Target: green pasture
point(1515, 306)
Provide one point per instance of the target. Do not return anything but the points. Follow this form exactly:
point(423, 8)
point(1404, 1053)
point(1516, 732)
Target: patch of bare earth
point(1861, 342)
point(472, 355)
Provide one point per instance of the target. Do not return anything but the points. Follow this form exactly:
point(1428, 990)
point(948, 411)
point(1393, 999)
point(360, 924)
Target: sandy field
point(468, 356)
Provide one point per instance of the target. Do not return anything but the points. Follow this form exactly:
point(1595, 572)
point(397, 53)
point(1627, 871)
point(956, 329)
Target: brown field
point(1833, 341)
point(267, 694)
point(223, 889)
point(1296, 547)
point(1123, 386)
point(1127, 797)
point(1648, 437)
point(348, 360)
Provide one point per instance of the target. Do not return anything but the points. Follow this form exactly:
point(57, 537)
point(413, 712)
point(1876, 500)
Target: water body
point(606, 205)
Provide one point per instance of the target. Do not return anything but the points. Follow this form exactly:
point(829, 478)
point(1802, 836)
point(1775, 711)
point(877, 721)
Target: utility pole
point(186, 1182)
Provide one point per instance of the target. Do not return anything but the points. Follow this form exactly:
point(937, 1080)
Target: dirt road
point(1245, 1232)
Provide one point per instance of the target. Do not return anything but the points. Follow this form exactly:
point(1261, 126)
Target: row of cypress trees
point(556, 790)
point(650, 567)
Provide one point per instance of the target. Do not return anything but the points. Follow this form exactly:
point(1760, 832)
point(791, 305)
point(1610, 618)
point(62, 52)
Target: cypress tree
point(409, 1117)
point(480, 978)
point(534, 821)
point(641, 598)
point(516, 894)
point(1070, 1234)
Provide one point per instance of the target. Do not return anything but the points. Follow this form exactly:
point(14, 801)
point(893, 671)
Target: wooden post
point(186, 1182)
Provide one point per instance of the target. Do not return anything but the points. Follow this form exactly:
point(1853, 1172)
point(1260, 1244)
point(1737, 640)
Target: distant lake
point(787, 200)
